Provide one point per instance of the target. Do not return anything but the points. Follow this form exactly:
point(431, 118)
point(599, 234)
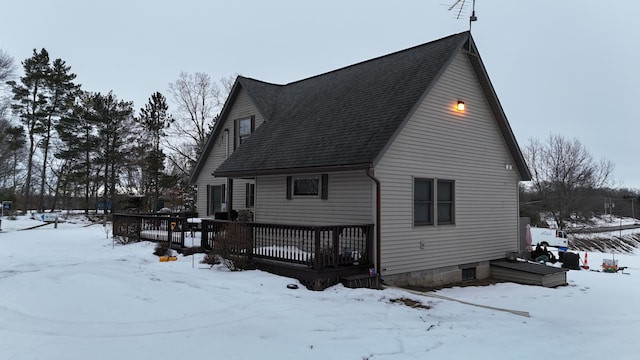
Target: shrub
point(211, 258)
point(245, 216)
point(233, 246)
point(124, 240)
point(161, 249)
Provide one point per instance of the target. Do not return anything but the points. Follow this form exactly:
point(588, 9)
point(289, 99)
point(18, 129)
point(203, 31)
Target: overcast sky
point(559, 67)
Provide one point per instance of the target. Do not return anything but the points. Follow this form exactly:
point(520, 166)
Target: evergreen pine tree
point(15, 140)
point(154, 119)
point(78, 134)
point(62, 92)
point(116, 131)
point(30, 101)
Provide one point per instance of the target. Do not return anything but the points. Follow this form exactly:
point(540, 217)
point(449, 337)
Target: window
point(445, 202)
point(308, 186)
point(215, 198)
point(243, 129)
point(422, 202)
point(250, 193)
point(425, 204)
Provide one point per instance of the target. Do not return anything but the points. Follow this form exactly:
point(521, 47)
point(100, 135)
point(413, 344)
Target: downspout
point(377, 225)
point(229, 182)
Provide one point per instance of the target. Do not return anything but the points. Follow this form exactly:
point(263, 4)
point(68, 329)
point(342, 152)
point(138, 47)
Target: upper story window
point(243, 129)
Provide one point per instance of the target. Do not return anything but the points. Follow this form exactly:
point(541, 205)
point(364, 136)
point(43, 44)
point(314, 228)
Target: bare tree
point(198, 100)
point(7, 66)
point(227, 83)
point(7, 71)
point(562, 171)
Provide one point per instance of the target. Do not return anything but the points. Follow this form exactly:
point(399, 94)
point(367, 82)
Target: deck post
point(336, 250)
point(369, 244)
point(183, 226)
point(250, 230)
point(316, 248)
point(138, 229)
point(204, 233)
point(169, 233)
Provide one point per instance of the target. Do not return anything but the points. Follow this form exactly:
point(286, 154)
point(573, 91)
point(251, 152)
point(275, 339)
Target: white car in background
point(548, 237)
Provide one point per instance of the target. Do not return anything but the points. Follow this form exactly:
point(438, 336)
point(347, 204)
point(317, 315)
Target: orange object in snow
point(586, 262)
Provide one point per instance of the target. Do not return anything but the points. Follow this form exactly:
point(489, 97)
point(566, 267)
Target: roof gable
point(263, 96)
point(344, 118)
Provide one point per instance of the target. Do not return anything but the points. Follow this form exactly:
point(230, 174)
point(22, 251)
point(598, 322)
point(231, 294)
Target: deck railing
point(152, 227)
point(315, 246)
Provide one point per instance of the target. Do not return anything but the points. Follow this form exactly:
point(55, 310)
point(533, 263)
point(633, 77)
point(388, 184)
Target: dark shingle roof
point(339, 119)
point(264, 95)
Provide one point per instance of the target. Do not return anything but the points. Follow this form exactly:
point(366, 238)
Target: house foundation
point(438, 277)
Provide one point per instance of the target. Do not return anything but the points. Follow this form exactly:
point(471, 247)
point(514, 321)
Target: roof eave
point(226, 108)
point(202, 158)
point(498, 111)
point(288, 171)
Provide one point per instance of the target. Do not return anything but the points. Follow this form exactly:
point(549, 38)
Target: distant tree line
point(62, 146)
point(568, 183)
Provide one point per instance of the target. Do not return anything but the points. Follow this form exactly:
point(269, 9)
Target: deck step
point(361, 281)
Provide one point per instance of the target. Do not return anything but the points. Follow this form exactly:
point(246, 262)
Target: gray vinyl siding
point(241, 108)
point(240, 194)
point(439, 143)
point(349, 201)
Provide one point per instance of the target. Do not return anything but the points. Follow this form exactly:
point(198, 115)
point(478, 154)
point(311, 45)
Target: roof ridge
point(379, 57)
point(259, 81)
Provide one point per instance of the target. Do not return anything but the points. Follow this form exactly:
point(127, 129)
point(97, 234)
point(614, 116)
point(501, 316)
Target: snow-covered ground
point(70, 293)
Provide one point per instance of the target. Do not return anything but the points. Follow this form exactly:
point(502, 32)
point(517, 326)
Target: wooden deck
point(529, 273)
point(318, 256)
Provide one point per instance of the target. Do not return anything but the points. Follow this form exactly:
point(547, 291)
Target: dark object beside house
point(529, 273)
point(223, 215)
point(541, 254)
point(571, 261)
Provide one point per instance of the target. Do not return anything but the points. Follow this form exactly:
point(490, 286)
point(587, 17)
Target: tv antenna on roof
point(460, 6)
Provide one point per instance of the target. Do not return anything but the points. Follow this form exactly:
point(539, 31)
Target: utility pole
point(609, 205)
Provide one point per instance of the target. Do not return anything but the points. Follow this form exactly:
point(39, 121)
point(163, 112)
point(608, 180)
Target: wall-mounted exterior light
point(460, 105)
